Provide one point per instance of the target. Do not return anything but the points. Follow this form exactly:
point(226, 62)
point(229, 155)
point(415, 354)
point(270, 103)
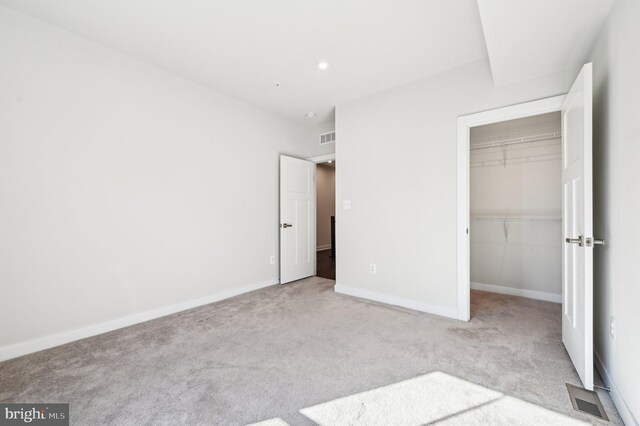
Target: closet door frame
point(465, 123)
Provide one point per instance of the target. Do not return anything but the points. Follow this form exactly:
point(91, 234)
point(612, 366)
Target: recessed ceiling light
point(330, 161)
point(322, 65)
point(310, 115)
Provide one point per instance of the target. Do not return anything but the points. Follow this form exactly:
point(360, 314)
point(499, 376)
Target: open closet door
point(577, 223)
point(297, 219)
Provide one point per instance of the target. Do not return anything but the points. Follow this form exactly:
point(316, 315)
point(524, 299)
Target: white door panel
point(297, 219)
point(577, 220)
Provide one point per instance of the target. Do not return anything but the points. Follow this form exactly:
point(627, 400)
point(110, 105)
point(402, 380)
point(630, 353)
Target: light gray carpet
point(276, 352)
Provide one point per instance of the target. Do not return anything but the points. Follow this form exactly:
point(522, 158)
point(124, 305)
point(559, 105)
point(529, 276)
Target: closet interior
point(516, 207)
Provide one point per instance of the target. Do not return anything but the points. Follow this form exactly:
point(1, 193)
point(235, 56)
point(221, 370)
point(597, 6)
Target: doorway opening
point(307, 231)
point(325, 223)
point(500, 158)
point(515, 206)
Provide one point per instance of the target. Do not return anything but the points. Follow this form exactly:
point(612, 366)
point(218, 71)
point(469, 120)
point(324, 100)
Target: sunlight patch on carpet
point(435, 398)
point(276, 421)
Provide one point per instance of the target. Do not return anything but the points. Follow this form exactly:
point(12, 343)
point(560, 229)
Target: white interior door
point(297, 219)
point(577, 223)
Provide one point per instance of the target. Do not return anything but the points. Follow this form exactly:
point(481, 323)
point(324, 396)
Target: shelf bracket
point(504, 155)
point(505, 228)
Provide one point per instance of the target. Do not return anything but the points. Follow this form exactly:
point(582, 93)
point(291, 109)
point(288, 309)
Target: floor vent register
point(586, 402)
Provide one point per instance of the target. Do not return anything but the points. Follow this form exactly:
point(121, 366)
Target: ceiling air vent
point(329, 137)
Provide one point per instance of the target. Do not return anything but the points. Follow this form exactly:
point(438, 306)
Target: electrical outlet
point(346, 204)
point(612, 327)
point(272, 259)
point(372, 268)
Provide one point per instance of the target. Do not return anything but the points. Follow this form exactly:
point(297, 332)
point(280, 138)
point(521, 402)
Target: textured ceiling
point(242, 48)
point(528, 39)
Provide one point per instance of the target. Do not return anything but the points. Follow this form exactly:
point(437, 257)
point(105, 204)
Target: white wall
point(616, 64)
point(397, 162)
point(123, 188)
point(326, 206)
point(516, 242)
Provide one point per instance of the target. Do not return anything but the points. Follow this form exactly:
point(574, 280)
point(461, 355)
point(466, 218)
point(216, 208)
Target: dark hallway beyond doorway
point(326, 265)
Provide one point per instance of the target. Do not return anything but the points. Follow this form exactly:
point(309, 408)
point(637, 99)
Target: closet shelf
point(516, 141)
point(517, 218)
point(515, 160)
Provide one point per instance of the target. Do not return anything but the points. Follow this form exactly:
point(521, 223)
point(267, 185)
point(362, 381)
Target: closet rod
point(516, 141)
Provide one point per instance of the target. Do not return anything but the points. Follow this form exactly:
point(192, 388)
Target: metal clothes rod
point(516, 141)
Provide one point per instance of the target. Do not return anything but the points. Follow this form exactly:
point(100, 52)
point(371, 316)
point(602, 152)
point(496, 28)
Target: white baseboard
point(398, 301)
point(50, 341)
point(621, 405)
point(321, 248)
point(531, 294)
